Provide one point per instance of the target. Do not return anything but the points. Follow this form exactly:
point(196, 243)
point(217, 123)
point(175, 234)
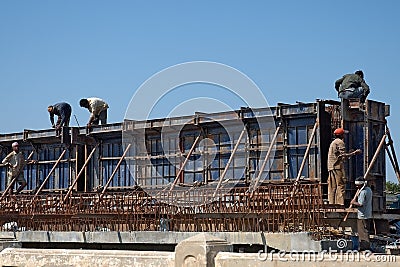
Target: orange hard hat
point(339, 131)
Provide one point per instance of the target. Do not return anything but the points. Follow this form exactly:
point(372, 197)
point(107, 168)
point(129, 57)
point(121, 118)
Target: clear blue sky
point(53, 51)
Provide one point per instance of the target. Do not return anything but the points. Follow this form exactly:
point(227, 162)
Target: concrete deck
point(83, 258)
point(295, 249)
point(281, 241)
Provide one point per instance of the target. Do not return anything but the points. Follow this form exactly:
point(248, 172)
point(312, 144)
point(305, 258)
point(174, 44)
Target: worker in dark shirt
point(63, 111)
point(352, 86)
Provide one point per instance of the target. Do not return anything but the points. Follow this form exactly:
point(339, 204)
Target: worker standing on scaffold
point(364, 214)
point(16, 161)
point(336, 178)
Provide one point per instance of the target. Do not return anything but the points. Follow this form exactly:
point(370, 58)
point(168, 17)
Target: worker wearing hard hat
point(336, 178)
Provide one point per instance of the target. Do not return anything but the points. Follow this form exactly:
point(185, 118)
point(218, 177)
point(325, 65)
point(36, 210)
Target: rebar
point(266, 210)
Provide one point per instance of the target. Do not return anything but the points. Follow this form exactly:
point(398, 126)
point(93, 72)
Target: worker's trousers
point(352, 93)
point(336, 186)
point(363, 228)
point(102, 118)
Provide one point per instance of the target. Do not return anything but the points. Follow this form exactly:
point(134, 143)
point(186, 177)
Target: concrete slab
point(176, 237)
point(200, 250)
point(7, 235)
point(249, 238)
point(33, 236)
point(160, 237)
point(279, 241)
point(10, 244)
point(103, 237)
point(292, 241)
point(74, 237)
point(83, 258)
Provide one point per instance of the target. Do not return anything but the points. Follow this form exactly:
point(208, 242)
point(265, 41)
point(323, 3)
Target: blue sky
point(53, 51)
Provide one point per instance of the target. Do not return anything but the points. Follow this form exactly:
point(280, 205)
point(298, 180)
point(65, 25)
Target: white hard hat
point(14, 144)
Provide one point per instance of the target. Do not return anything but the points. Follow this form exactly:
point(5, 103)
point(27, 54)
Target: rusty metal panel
point(283, 206)
point(100, 170)
point(46, 156)
point(300, 108)
point(298, 132)
point(158, 163)
point(366, 125)
point(3, 169)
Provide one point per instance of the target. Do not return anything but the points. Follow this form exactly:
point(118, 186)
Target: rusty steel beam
point(381, 143)
point(221, 178)
point(392, 155)
point(114, 172)
point(371, 164)
point(48, 176)
point(182, 168)
point(297, 181)
point(80, 173)
point(266, 158)
point(393, 162)
point(303, 163)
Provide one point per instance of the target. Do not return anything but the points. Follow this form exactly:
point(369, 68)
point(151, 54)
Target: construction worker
point(97, 108)
point(63, 111)
point(352, 86)
point(16, 161)
point(364, 214)
point(336, 178)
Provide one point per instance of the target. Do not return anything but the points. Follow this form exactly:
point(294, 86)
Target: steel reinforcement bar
point(269, 208)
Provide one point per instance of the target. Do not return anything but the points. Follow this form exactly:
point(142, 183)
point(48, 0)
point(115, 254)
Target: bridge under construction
point(248, 170)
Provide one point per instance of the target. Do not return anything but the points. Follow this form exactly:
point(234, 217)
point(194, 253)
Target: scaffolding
point(205, 173)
